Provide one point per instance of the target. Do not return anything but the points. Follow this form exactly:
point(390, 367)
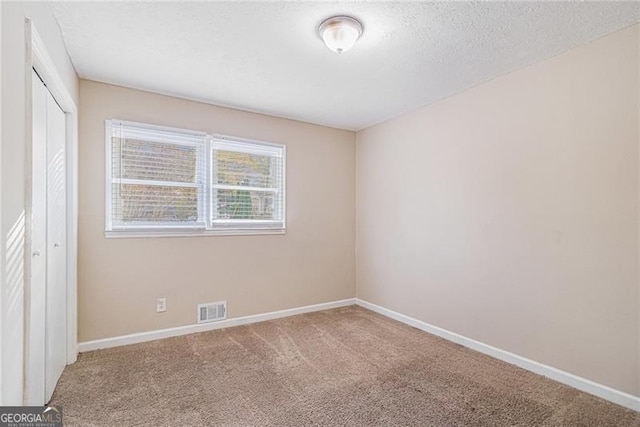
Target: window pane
point(244, 204)
point(250, 170)
point(152, 203)
point(157, 161)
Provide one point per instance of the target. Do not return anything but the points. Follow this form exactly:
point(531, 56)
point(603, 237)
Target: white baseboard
point(202, 327)
point(582, 384)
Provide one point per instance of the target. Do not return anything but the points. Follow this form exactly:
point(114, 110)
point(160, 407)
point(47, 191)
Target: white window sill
point(142, 234)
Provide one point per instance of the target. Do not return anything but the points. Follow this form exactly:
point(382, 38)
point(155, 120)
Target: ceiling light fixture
point(340, 32)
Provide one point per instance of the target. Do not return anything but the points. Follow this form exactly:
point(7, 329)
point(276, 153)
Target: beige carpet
point(347, 366)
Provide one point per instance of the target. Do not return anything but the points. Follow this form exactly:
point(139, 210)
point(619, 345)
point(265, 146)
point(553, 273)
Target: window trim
point(205, 204)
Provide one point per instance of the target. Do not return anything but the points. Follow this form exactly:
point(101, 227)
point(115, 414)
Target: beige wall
point(509, 213)
point(120, 279)
point(12, 176)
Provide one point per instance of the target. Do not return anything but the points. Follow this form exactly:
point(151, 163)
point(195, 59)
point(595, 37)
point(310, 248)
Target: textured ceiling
point(267, 57)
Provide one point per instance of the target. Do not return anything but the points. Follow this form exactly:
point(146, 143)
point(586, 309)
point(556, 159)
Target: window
point(164, 181)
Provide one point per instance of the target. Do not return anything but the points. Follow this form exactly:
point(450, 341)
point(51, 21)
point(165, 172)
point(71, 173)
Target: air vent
point(212, 312)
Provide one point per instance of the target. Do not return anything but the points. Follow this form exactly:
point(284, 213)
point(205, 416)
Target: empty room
point(320, 213)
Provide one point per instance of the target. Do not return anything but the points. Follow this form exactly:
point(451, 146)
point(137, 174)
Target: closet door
point(37, 300)
point(56, 288)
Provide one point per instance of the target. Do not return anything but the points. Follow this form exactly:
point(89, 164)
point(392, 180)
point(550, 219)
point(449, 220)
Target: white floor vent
point(212, 311)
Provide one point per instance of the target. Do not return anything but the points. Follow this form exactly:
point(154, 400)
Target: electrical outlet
point(161, 305)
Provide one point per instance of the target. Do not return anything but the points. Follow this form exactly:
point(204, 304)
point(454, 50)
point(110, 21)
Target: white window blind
point(247, 184)
point(163, 178)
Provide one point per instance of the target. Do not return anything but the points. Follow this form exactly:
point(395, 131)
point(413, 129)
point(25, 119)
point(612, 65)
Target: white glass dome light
point(340, 32)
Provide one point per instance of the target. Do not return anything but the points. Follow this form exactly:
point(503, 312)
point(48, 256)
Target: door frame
point(39, 59)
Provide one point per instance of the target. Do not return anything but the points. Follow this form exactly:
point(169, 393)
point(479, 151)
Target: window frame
point(205, 224)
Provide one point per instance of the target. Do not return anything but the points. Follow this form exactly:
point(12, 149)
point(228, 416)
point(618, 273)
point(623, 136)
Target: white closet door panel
point(56, 296)
point(37, 308)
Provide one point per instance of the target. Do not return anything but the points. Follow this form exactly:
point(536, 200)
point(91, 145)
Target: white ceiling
point(267, 57)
